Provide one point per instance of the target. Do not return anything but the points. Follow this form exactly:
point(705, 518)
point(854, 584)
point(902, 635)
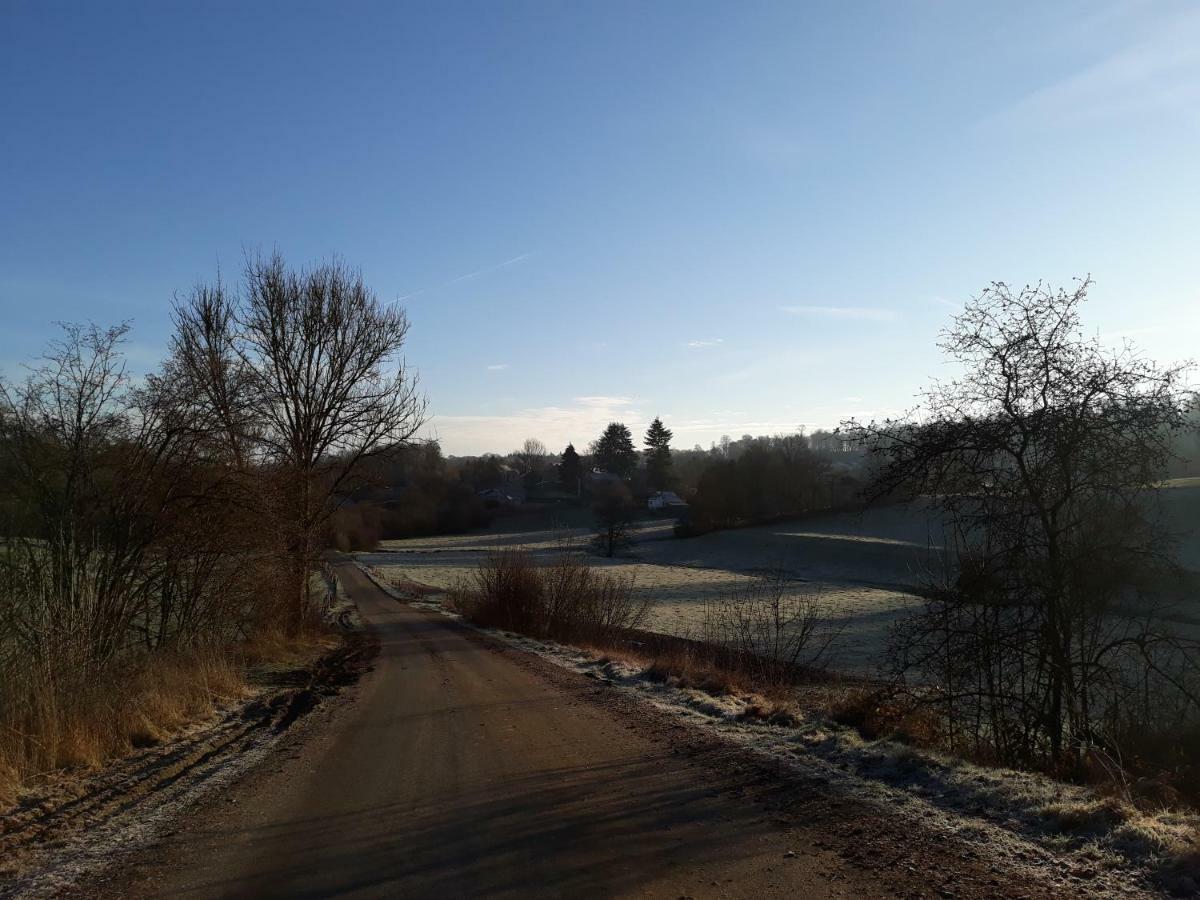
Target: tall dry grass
point(50, 721)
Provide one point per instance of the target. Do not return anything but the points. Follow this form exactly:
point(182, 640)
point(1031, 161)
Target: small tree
point(658, 455)
point(614, 451)
point(613, 508)
point(570, 469)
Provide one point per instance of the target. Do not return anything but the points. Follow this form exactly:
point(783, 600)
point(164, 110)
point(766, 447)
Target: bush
point(767, 630)
point(565, 599)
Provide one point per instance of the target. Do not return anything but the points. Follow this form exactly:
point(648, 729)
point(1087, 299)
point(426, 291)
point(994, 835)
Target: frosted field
point(863, 566)
point(861, 569)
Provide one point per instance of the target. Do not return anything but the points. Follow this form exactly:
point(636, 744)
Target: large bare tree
point(1043, 458)
point(302, 371)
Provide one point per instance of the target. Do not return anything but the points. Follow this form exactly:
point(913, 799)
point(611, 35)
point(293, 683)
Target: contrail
point(468, 276)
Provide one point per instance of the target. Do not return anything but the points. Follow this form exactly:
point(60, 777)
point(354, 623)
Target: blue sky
point(742, 217)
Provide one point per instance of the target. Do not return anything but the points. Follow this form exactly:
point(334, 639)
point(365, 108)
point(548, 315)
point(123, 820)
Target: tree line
point(753, 479)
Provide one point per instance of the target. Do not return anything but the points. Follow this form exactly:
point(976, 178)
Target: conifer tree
point(570, 469)
point(658, 455)
point(614, 451)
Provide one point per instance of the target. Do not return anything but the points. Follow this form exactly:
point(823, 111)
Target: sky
point(743, 218)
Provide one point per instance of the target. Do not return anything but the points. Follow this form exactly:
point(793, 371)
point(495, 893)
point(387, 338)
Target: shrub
point(565, 599)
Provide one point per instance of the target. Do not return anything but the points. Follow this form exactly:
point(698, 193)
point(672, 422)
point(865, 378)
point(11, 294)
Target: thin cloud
point(857, 313)
point(604, 402)
point(497, 367)
point(1125, 333)
point(701, 345)
point(579, 422)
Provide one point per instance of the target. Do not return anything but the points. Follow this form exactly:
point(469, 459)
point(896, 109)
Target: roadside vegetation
point(753, 672)
point(159, 534)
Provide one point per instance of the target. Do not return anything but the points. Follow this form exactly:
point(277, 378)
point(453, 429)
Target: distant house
point(665, 500)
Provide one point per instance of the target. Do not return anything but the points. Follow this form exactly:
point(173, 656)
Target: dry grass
point(49, 724)
point(877, 713)
point(275, 647)
point(686, 667)
point(51, 728)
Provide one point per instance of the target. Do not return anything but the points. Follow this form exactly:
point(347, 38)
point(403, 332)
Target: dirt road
point(457, 772)
point(456, 769)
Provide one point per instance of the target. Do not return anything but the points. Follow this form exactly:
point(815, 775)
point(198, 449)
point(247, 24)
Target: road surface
point(458, 772)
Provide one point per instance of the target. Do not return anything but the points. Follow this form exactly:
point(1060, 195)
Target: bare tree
point(613, 508)
point(530, 459)
point(303, 372)
point(532, 453)
point(1043, 458)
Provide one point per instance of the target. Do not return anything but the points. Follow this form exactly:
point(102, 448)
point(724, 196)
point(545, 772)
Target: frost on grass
point(679, 593)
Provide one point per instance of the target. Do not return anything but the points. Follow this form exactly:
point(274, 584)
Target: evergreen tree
point(614, 451)
point(570, 469)
point(658, 455)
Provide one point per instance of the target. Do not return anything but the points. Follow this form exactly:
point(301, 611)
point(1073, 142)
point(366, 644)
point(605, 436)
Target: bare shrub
point(769, 629)
point(566, 599)
point(507, 593)
point(884, 712)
